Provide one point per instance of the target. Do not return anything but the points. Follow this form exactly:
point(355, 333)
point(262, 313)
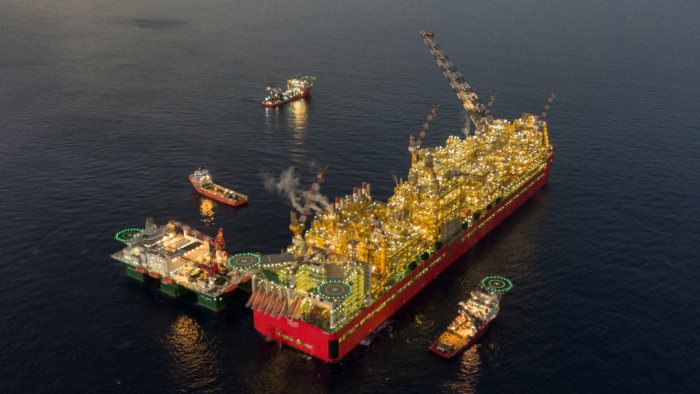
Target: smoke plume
point(464, 116)
point(287, 184)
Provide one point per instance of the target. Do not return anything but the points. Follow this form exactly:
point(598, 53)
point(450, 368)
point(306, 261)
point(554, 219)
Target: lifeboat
point(295, 304)
point(259, 299)
point(280, 308)
point(253, 296)
point(154, 275)
point(263, 305)
point(141, 270)
point(231, 288)
point(272, 304)
point(169, 281)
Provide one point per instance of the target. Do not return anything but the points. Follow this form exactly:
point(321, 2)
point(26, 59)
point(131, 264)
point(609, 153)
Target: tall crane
point(219, 240)
point(476, 110)
point(297, 226)
point(414, 146)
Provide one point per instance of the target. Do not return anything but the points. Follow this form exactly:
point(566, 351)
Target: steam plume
point(464, 116)
point(288, 185)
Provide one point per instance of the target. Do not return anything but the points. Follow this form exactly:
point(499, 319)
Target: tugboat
point(297, 88)
point(201, 180)
point(475, 317)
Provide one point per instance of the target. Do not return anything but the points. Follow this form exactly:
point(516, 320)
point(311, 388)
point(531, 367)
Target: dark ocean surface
point(106, 107)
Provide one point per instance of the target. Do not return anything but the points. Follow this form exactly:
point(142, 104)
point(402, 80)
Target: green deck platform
point(131, 271)
point(208, 301)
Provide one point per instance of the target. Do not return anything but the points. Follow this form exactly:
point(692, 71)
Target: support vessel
point(297, 88)
point(475, 317)
point(201, 180)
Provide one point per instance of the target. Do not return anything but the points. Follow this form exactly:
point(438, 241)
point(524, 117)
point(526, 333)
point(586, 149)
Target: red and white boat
point(475, 317)
point(297, 88)
point(201, 180)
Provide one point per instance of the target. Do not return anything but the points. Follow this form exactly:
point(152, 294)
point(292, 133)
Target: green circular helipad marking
point(127, 235)
point(244, 261)
point(334, 289)
point(497, 283)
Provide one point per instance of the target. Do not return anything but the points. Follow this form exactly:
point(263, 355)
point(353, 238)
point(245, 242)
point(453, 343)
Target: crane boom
point(488, 107)
point(426, 124)
point(188, 229)
point(413, 146)
point(546, 106)
point(314, 189)
point(469, 99)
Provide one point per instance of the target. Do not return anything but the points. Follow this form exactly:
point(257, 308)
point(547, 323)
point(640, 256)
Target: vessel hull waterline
point(334, 346)
point(293, 98)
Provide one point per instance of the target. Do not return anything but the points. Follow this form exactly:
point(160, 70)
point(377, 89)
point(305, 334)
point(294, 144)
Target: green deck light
point(127, 235)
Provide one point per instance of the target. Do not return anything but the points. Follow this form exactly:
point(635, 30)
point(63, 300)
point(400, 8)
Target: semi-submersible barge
point(362, 259)
point(183, 260)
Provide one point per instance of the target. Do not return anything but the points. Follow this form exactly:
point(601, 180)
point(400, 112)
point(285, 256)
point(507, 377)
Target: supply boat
point(475, 317)
point(201, 180)
point(183, 259)
point(360, 260)
point(297, 88)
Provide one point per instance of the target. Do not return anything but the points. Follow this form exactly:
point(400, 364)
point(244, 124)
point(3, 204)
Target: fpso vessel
point(362, 259)
point(297, 88)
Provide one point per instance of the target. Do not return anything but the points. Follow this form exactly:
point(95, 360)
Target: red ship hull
point(460, 350)
point(216, 197)
point(297, 97)
point(334, 346)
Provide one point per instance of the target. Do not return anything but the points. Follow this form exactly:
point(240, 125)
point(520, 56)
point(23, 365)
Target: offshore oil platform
point(361, 259)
